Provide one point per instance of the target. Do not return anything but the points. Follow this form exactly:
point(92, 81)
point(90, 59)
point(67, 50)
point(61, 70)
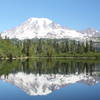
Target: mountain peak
point(41, 28)
point(41, 23)
point(33, 19)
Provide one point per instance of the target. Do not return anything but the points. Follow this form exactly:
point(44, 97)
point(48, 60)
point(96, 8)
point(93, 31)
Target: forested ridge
point(13, 48)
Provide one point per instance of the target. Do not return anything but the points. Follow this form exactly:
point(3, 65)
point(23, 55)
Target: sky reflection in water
point(49, 79)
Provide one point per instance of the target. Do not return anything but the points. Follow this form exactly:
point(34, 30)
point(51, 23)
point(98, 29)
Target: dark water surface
point(46, 79)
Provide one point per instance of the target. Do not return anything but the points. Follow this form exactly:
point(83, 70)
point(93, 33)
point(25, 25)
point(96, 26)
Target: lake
point(50, 79)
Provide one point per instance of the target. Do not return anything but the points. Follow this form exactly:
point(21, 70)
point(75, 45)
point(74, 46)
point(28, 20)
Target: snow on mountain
point(35, 84)
point(91, 33)
point(41, 28)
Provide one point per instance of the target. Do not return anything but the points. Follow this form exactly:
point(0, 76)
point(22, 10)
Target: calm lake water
point(47, 79)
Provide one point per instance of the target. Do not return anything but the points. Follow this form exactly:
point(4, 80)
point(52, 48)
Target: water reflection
point(42, 77)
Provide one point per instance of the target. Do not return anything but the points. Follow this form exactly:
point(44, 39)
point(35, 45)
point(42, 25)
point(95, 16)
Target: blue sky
point(76, 14)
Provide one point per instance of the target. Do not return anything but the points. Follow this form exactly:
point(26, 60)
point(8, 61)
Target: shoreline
point(54, 57)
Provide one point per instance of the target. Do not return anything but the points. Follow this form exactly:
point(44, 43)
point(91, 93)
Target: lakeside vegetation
point(13, 48)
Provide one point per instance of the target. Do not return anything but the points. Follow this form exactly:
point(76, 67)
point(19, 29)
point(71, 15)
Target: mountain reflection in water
point(42, 77)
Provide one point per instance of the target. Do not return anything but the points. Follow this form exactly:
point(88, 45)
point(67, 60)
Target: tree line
point(44, 47)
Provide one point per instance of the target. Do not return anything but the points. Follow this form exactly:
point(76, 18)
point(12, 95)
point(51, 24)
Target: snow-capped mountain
point(91, 32)
point(41, 28)
point(35, 84)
